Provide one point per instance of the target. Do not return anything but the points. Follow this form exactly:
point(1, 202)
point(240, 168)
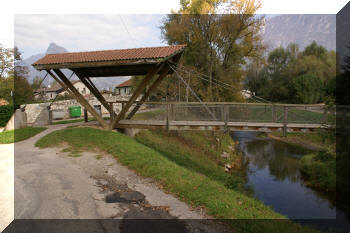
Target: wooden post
point(86, 117)
point(325, 115)
point(167, 116)
point(81, 99)
point(273, 113)
point(111, 114)
point(136, 93)
point(285, 118)
point(226, 116)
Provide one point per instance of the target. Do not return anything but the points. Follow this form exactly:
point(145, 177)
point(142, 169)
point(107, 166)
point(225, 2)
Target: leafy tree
point(6, 61)
point(23, 92)
point(37, 83)
point(306, 89)
point(343, 83)
point(218, 44)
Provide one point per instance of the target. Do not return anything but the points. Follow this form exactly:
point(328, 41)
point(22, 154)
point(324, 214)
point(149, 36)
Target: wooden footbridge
point(156, 63)
point(229, 117)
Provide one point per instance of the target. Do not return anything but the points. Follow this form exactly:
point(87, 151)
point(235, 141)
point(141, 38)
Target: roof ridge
point(107, 50)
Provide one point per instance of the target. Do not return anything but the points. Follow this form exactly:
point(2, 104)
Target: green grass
point(150, 114)
point(17, 135)
point(199, 151)
point(194, 187)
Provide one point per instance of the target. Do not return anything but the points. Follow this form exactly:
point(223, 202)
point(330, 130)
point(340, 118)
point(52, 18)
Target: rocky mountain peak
point(54, 48)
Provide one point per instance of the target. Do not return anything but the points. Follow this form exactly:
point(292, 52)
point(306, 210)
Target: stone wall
point(33, 110)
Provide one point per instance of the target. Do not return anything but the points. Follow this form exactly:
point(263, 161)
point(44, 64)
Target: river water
point(273, 172)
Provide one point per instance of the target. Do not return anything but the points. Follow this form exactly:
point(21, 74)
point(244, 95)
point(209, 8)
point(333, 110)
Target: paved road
point(49, 184)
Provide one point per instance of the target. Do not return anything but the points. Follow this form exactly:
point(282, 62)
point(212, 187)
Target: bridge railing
point(236, 112)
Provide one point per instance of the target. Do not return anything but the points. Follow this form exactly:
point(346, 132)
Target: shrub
point(6, 112)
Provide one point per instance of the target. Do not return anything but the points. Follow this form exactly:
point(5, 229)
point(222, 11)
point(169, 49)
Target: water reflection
point(274, 174)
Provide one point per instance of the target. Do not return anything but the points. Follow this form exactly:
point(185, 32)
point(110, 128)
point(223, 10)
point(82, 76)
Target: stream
point(273, 172)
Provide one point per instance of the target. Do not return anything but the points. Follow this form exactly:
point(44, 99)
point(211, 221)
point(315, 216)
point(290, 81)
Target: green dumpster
point(75, 111)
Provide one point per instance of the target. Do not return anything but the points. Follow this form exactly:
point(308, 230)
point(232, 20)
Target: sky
point(110, 24)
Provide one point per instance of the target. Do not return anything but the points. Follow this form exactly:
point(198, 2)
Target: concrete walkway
point(49, 184)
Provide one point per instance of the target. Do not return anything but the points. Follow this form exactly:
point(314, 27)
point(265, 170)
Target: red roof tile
point(111, 55)
point(127, 83)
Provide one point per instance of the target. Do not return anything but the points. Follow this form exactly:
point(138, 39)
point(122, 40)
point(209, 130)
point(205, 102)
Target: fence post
point(285, 121)
point(112, 112)
point(273, 113)
point(226, 116)
point(85, 115)
point(325, 117)
point(167, 116)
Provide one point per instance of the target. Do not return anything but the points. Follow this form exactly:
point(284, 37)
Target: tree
point(37, 82)
point(218, 44)
point(23, 92)
point(306, 89)
point(6, 61)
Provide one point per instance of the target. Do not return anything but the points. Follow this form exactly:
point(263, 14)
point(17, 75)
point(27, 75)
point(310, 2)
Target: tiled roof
point(127, 83)
point(111, 55)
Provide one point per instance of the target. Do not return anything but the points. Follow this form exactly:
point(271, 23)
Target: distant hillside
point(101, 83)
point(301, 29)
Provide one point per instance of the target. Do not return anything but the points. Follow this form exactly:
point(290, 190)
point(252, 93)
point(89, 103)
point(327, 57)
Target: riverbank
point(201, 184)
point(319, 166)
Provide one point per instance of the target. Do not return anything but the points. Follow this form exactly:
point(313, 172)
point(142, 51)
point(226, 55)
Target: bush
point(6, 112)
point(320, 168)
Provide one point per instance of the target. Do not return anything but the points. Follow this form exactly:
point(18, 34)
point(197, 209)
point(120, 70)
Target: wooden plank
point(136, 94)
point(80, 98)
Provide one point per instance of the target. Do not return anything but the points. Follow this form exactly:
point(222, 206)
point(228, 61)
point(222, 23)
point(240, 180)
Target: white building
point(124, 88)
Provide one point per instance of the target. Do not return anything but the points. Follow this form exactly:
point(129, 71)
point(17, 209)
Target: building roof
point(127, 83)
point(120, 56)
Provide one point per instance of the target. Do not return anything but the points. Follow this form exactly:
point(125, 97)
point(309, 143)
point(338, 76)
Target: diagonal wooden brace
point(80, 98)
point(136, 93)
point(95, 91)
point(163, 73)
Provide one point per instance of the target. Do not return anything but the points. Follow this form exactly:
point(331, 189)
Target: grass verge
point(195, 188)
point(17, 135)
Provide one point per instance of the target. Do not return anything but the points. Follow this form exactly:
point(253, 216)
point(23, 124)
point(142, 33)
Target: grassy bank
point(189, 184)
point(17, 135)
point(201, 151)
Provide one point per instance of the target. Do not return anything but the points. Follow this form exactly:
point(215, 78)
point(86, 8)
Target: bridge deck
point(217, 125)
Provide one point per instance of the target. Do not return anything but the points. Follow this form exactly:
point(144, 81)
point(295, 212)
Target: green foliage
point(6, 111)
point(320, 168)
point(306, 89)
point(218, 44)
point(290, 76)
point(17, 135)
point(343, 84)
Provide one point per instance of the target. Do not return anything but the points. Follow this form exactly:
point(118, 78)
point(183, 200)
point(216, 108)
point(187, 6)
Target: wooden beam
point(136, 93)
point(155, 84)
point(81, 99)
point(149, 90)
point(60, 82)
point(95, 91)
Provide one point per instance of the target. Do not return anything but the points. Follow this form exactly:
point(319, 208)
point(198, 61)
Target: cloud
point(81, 32)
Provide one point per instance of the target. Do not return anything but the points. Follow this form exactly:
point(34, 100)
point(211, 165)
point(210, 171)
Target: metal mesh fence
point(236, 112)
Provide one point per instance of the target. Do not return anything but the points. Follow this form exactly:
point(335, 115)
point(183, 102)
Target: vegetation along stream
point(275, 176)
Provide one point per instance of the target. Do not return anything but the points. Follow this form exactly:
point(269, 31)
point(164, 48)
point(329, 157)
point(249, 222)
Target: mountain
point(101, 83)
point(301, 29)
